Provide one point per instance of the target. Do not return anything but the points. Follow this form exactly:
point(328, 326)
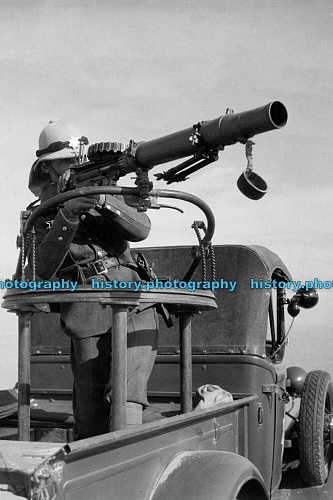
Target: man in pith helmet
point(88, 239)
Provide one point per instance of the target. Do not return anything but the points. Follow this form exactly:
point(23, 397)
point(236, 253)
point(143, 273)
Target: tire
point(314, 436)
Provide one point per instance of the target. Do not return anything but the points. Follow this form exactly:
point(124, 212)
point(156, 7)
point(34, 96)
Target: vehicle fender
point(211, 475)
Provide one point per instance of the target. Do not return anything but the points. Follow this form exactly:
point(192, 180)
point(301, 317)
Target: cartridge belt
point(100, 266)
point(81, 272)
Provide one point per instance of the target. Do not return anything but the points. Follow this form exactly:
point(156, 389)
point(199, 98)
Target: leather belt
point(100, 266)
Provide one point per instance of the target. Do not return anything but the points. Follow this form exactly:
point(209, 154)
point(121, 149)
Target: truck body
point(233, 450)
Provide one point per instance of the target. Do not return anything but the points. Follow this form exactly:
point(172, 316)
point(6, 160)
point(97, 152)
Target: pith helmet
point(57, 140)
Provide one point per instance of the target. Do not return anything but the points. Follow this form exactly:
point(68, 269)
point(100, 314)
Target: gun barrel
point(223, 131)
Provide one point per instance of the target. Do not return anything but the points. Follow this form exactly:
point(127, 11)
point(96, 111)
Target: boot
point(133, 414)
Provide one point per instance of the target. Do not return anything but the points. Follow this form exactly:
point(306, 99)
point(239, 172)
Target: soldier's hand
point(65, 183)
point(73, 208)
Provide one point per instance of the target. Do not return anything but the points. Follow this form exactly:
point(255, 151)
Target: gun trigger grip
point(155, 205)
point(173, 207)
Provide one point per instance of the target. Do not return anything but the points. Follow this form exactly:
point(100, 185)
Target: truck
point(227, 419)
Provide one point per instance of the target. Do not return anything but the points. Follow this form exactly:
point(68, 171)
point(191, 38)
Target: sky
point(122, 70)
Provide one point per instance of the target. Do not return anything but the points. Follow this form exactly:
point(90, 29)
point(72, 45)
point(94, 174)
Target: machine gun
point(108, 161)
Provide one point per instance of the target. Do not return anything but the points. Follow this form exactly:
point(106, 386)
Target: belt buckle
point(99, 266)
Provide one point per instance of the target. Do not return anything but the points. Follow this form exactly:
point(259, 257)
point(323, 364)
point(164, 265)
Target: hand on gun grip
point(73, 208)
point(65, 182)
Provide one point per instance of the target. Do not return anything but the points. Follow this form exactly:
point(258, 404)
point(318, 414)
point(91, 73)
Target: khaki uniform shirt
point(97, 234)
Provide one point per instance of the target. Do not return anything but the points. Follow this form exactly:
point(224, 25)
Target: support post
point(119, 367)
point(24, 320)
point(185, 362)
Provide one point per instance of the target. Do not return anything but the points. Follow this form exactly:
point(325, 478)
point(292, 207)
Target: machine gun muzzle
point(212, 134)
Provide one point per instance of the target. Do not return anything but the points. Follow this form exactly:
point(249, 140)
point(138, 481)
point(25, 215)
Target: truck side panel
point(209, 475)
point(236, 374)
point(130, 463)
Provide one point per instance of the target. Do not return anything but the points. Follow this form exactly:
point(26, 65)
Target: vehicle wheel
point(314, 434)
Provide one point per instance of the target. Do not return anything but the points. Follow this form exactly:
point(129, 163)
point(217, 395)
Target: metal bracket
point(260, 414)
point(276, 389)
point(196, 138)
point(180, 172)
